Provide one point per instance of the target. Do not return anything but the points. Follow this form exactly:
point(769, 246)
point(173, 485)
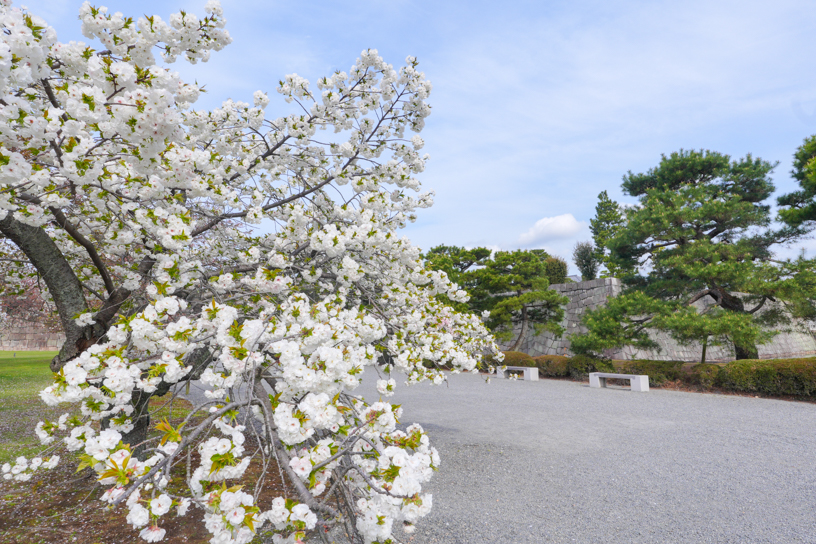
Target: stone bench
point(530, 372)
point(637, 382)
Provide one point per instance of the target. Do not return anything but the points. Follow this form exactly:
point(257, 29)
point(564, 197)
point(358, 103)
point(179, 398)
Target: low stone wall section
point(27, 337)
point(797, 342)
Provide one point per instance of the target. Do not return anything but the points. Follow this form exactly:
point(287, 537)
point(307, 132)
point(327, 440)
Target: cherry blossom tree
point(258, 256)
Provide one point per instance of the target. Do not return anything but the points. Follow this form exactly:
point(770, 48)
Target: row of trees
point(696, 254)
point(588, 257)
point(508, 288)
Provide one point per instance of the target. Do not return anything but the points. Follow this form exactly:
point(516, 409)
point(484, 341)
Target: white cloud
point(552, 228)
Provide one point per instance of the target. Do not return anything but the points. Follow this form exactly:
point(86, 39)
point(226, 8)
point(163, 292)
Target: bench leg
point(500, 373)
point(594, 381)
point(531, 374)
point(641, 383)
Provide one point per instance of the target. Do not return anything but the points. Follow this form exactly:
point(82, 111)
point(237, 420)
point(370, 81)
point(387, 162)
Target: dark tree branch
point(66, 289)
point(214, 221)
point(701, 294)
point(758, 306)
point(69, 227)
point(62, 222)
point(241, 269)
point(119, 295)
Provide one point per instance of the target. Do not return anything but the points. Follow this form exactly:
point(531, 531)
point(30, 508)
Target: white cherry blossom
point(140, 213)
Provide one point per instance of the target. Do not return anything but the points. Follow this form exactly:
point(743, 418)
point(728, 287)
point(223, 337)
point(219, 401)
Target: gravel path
point(557, 462)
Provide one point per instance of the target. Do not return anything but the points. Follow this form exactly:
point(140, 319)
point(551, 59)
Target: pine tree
point(457, 262)
point(607, 223)
point(585, 257)
point(512, 287)
point(702, 230)
point(799, 207)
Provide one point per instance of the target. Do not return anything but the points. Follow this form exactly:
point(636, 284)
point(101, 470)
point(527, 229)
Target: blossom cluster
point(152, 208)
point(23, 468)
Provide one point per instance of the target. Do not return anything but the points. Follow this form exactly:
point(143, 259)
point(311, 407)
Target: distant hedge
point(659, 372)
point(771, 377)
point(794, 377)
point(703, 375)
point(553, 366)
point(556, 366)
point(515, 358)
point(580, 366)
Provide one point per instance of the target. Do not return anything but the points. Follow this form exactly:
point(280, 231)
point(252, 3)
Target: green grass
point(26, 354)
point(27, 365)
point(22, 377)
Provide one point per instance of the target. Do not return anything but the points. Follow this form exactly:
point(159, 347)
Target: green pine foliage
point(702, 230)
point(512, 287)
point(556, 270)
point(458, 263)
point(799, 207)
point(608, 221)
point(585, 257)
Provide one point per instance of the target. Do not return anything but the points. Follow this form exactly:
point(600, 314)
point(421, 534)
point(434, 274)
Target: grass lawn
point(61, 506)
point(23, 374)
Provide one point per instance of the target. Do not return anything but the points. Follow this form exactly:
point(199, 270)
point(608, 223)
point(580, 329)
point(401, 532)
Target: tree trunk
point(141, 422)
point(705, 345)
point(141, 418)
point(523, 332)
point(63, 285)
point(65, 288)
point(67, 292)
point(746, 352)
point(734, 304)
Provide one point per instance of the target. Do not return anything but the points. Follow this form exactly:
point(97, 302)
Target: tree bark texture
point(705, 345)
point(523, 332)
point(734, 304)
point(66, 289)
point(63, 285)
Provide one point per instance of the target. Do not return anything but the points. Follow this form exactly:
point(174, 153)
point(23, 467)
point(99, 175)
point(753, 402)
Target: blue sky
point(537, 106)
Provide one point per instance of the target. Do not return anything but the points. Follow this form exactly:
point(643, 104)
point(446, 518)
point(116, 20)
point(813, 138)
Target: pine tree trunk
point(734, 304)
point(523, 332)
point(705, 345)
point(746, 352)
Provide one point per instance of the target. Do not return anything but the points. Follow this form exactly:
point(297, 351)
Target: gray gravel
point(556, 461)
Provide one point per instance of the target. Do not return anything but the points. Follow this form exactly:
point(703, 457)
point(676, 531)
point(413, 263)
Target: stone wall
point(27, 337)
point(584, 295)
